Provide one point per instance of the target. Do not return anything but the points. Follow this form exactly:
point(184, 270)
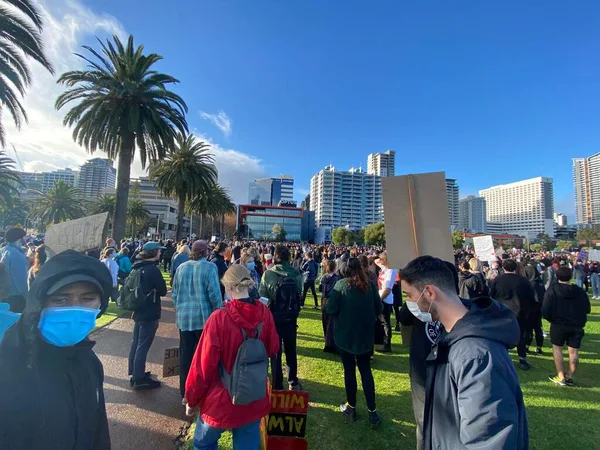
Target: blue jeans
point(143, 336)
point(246, 437)
point(595, 284)
point(579, 282)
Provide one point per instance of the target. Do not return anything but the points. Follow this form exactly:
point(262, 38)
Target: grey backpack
point(247, 381)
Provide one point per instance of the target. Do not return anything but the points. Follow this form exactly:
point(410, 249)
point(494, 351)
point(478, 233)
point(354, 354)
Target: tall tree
point(20, 37)
point(213, 202)
point(122, 103)
point(375, 234)
point(185, 173)
point(457, 239)
point(10, 180)
point(587, 235)
point(137, 213)
point(61, 203)
point(103, 203)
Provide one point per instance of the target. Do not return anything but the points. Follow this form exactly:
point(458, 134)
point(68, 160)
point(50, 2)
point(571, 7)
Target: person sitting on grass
point(566, 307)
point(354, 304)
point(51, 381)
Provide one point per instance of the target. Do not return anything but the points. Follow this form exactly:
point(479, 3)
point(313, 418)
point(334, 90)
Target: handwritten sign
point(80, 234)
point(594, 255)
point(171, 362)
point(484, 248)
point(286, 424)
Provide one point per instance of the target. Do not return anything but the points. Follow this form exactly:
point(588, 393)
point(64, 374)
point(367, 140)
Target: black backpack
point(132, 296)
point(286, 302)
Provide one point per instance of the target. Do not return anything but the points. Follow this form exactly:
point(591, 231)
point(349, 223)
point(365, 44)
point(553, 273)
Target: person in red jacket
point(219, 344)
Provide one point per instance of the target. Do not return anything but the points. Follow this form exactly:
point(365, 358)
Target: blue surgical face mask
point(67, 326)
point(7, 318)
point(251, 265)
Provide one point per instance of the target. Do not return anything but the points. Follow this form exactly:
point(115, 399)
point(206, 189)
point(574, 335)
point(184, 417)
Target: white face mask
point(413, 307)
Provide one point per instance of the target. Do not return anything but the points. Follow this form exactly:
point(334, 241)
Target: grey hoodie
point(473, 396)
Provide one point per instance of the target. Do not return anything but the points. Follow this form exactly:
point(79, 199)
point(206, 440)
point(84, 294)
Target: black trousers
point(522, 345)
point(418, 402)
point(188, 341)
point(310, 284)
point(534, 326)
point(363, 362)
point(384, 318)
point(288, 333)
point(167, 264)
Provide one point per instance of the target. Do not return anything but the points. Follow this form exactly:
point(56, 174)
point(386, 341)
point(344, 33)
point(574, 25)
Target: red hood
point(246, 315)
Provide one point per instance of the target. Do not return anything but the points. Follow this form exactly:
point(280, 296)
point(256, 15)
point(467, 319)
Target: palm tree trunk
point(212, 226)
point(123, 175)
point(201, 233)
point(180, 214)
point(222, 226)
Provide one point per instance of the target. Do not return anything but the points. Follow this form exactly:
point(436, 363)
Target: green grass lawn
point(558, 417)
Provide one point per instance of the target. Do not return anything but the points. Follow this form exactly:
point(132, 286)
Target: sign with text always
point(286, 423)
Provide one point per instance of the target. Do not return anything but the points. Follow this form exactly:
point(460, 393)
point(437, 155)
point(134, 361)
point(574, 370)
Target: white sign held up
point(484, 248)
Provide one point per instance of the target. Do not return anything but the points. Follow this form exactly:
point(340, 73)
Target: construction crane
point(17, 158)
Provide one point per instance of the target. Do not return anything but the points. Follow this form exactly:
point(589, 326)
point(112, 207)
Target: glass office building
point(257, 221)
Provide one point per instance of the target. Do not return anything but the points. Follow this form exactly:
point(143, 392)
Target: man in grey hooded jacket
point(473, 397)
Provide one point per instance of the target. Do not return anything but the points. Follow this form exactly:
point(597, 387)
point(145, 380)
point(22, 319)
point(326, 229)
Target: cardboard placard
point(286, 423)
point(594, 255)
point(82, 234)
point(417, 222)
point(171, 362)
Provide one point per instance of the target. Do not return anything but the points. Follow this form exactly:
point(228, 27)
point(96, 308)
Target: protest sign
point(594, 255)
point(171, 362)
point(286, 423)
point(484, 248)
point(416, 218)
point(583, 254)
point(82, 234)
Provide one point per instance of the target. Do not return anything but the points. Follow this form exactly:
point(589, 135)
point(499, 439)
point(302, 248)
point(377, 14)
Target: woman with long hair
point(39, 259)
point(354, 305)
point(330, 278)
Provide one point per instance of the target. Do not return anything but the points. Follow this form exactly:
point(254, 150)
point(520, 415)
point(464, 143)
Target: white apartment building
point(452, 195)
point(287, 187)
point(586, 181)
point(473, 214)
point(560, 219)
point(382, 164)
point(350, 198)
point(95, 175)
point(49, 179)
point(524, 208)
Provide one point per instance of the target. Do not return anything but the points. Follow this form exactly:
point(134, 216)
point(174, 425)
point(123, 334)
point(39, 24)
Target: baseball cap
point(75, 278)
point(149, 246)
point(14, 234)
point(200, 246)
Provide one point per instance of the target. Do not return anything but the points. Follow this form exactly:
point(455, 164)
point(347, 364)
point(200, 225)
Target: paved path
point(139, 420)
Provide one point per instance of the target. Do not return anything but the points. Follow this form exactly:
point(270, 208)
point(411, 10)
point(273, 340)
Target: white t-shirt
point(387, 278)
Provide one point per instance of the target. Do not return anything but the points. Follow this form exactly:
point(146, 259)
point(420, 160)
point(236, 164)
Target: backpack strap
point(258, 330)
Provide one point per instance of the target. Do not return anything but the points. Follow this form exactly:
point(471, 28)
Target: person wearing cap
point(51, 381)
point(196, 294)
point(147, 316)
point(13, 270)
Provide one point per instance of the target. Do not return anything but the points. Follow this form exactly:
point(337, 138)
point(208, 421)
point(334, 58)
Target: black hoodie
point(566, 304)
point(52, 397)
point(473, 396)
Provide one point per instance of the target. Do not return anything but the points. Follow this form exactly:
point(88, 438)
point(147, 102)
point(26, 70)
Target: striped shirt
point(196, 294)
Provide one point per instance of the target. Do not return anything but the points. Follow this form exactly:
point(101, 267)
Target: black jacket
point(221, 269)
point(515, 292)
point(52, 397)
point(471, 285)
point(566, 304)
point(473, 396)
point(152, 280)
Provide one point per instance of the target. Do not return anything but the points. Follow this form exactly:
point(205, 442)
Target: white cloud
point(45, 144)
point(219, 120)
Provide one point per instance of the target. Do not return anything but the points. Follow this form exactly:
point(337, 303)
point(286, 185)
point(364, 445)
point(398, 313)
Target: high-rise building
point(560, 219)
point(472, 214)
point(382, 164)
point(452, 195)
point(271, 191)
point(586, 180)
point(96, 175)
point(49, 179)
point(350, 198)
point(524, 208)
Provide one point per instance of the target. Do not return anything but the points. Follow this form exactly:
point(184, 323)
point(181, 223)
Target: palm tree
point(20, 28)
point(122, 104)
point(137, 213)
point(61, 203)
point(213, 202)
point(10, 180)
point(103, 203)
point(186, 172)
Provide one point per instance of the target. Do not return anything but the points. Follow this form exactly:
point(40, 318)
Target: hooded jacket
point(272, 276)
point(52, 397)
point(219, 344)
point(473, 396)
point(515, 292)
point(470, 285)
point(152, 280)
point(566, 304)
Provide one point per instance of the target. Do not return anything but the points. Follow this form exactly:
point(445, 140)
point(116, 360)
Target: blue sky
point(490, 92)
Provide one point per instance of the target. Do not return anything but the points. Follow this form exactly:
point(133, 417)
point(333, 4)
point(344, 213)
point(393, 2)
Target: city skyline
point(433, 112)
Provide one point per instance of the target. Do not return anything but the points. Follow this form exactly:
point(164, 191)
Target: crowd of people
point(237, 307)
